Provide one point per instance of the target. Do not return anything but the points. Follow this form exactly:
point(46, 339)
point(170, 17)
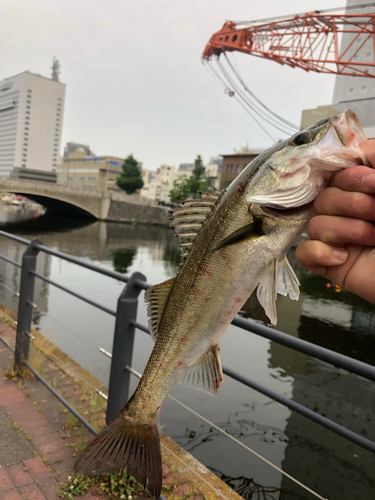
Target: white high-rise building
point(355, 92)
point(31, 119)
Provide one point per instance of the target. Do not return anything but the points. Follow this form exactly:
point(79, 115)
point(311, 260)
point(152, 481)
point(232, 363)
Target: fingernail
point(340, 255)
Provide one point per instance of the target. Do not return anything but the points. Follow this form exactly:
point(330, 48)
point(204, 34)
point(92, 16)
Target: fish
point(232, 242)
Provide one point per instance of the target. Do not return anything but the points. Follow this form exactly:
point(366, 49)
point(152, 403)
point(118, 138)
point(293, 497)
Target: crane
point(308, 41)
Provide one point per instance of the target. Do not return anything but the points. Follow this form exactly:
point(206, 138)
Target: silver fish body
point(231, 244)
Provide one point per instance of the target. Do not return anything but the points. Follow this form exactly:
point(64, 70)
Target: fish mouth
point(303, 212)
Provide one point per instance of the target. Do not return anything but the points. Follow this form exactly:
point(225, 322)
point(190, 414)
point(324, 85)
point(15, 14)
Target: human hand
point(343, 233)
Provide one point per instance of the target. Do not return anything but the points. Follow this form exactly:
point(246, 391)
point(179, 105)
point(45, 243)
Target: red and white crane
point(308, 41)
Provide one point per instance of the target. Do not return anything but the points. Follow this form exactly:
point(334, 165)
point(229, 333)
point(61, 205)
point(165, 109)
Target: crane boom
point(309, 41)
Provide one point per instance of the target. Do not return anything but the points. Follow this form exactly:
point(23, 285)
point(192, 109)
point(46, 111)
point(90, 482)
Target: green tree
point(180, 190)
point(184, 188)
point(130, 178)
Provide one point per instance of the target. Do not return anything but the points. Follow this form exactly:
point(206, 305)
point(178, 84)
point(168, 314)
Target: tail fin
point(125, 444)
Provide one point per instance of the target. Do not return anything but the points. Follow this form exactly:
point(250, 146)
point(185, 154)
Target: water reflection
point(122, 260)
point(250, 490)
point(340, 321)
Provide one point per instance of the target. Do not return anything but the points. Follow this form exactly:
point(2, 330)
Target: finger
point(358, 178)
point(368, 148)
point(341, 230)
point(318, 256)
point(334, 201)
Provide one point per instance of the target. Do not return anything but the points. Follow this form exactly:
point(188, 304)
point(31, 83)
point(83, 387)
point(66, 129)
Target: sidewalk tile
point(11, 495)
point(37, 469)
point(49, 487)
point(5, 482)
point(31, 492)
point(19, 475)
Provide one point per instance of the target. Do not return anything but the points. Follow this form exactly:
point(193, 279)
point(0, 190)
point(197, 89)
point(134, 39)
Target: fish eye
point(300, 139)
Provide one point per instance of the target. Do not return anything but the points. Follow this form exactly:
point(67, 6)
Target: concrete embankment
point(40, 439)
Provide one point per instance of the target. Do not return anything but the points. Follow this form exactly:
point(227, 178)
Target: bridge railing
point(125, 326)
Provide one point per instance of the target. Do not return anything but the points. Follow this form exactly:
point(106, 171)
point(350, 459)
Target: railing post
point(122, 351)
point(25, 308)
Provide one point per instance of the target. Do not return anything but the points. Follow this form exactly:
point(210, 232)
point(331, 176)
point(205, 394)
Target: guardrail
point(123, 340)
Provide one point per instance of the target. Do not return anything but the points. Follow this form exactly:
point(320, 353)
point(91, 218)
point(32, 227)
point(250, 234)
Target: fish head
point(297, 169)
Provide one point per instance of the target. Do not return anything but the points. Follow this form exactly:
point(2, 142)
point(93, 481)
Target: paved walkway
point(39, 439)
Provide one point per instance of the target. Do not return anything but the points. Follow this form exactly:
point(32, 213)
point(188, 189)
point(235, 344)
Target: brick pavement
point(34, 478)
point(40, 440)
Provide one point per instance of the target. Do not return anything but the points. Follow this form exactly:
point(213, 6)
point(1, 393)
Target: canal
point(325, 462)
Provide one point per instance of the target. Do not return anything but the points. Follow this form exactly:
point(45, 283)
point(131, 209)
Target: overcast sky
point(135, 81)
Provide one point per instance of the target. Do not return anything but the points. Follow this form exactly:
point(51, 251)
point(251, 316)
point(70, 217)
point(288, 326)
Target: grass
point(17, 426)
point(115, 486)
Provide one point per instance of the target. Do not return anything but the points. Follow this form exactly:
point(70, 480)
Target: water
point(324, 462)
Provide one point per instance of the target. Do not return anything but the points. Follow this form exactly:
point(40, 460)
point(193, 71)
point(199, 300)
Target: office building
point(233, 164)
point(96, 173)
point(71, 147)
point(31, 120)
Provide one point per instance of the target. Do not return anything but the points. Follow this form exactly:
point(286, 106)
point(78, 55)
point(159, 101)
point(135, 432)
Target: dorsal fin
point(156, 298)
point(189, 219)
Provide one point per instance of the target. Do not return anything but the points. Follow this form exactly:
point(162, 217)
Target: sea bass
point(231, 243)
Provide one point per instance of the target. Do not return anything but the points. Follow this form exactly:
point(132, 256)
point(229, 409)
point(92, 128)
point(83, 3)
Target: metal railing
point(123, 340)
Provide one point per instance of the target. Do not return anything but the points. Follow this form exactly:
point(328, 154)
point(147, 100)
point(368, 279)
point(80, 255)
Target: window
point(363, 89)
point(358, 41)
point(29, 90)
point(57, 119)
point(26, 133)
point(368, 55)
point(26, 128)
point(25, 139)
point(28, 102)
point(238, 168)
point(58, 114)
point(24, 154)
point(55, 149)
point(24, 149)
point(27, 112)
point(356, 57)
point(27, 107)
point(350, 90)
point(56, 135)
point(23, 165)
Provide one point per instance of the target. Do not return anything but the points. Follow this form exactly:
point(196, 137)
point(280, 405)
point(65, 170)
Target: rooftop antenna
point(55, 69)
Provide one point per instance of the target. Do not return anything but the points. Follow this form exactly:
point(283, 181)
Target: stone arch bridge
point(109, 206)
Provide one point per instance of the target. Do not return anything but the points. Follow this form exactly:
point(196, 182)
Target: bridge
point(68, 201)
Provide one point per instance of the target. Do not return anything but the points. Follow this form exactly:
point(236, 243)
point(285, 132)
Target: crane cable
point(227, 90)
point(247, 101)
point(348, 7)
point(285, 122)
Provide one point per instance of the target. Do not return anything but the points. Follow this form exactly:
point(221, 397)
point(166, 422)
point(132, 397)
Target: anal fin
point(206, 374)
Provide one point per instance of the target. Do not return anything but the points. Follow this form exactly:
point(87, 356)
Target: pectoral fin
point(245, 233)
point(206, 374)
point(266, 293)
point(279, 278)
point(287, 281)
